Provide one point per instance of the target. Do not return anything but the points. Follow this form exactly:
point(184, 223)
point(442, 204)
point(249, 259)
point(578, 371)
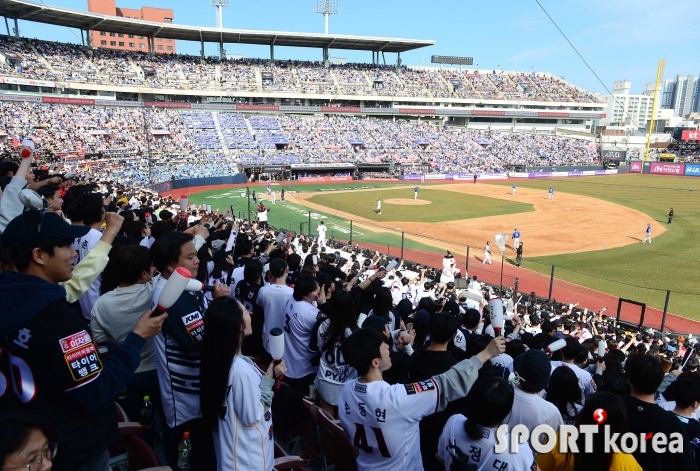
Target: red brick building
point(130, 42)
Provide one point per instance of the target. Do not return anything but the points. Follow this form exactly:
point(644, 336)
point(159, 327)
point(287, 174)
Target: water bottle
point(184, 448)
point(146, 412)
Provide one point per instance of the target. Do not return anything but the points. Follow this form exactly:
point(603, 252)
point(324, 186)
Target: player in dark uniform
point(670, 216)
point(519, 254)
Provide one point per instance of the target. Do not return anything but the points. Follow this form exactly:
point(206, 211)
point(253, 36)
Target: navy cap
point(32, 228)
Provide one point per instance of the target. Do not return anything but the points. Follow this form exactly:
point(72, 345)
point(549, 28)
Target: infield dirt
point(568, 224)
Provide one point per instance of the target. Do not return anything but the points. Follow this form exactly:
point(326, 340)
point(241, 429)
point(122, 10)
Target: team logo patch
point(421, 386)
point(74, 341)
point(362, 388)
point(268, 415)
point(194, 324)
point(83, 362)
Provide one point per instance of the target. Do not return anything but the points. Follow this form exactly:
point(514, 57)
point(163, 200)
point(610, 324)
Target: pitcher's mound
point(406, 201)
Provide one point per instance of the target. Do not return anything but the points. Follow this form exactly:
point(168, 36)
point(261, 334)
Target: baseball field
point(591, 231)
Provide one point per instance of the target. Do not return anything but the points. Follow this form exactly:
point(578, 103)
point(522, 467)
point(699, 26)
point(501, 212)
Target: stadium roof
point(42, 13)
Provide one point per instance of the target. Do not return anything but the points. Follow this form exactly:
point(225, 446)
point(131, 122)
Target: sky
point(620, 39)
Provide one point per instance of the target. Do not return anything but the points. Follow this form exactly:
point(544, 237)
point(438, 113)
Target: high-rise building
point(130, 42)
point(681, 95)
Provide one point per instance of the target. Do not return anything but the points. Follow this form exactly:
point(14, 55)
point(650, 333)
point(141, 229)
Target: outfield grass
point(444, 205)
point(291, 216)
point(642, 272)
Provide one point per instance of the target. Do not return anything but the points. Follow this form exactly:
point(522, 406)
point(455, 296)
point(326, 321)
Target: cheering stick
point(172, 290)
point(277, 349)
point(26, 150)
point(496, 313)
point(148, 218)
point(601, 349)
point(184, 202)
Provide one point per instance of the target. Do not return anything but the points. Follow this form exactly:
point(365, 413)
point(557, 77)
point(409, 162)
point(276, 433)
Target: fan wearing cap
point(532, 372)
point(49, 354)
point(382, 420)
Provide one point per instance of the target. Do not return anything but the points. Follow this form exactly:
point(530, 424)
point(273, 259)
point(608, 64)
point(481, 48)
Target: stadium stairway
point(258, 79)
point(336, 82)
point(222, 139)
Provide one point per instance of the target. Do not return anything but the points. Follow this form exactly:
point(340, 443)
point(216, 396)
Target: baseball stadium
point(155, 194)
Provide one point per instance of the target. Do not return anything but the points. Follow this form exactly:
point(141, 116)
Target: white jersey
point(481, 452)
point(243, 438)
point(273, 300)
point(322, 231)
point(332, 367)
point(83, 245)
point(381, 420)
point(299, 320)
point(531, 410)
point(585, 380)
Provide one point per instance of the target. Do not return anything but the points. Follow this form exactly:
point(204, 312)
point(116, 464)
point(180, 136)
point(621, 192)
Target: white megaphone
point(277, 346)
point(601, 348)
point(172, 290)
point(555, 346)
point(148, 218)
point(30, 199)
point(184, 202)
point(209, 208)
point(496, 313)
point(196, 285)
point(26, 149)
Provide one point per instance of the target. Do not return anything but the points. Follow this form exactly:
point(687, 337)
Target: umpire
point(519, 254)
point(670, 216)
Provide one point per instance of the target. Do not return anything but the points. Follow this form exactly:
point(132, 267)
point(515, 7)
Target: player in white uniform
point(381, 420)
point(514, 188)
point(236, 396)
point(321, 234)
point(472, 440)
point(647, 234)
point(551, 193)
point(274, 197)
point(487, 254)
point(379, 206)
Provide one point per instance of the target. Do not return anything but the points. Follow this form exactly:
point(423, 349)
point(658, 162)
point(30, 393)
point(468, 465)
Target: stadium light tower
point(219, 4)
point(327, 8)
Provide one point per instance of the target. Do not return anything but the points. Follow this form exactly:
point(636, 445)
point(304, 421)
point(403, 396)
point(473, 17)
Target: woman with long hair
point(219, 269)
point(565, 393)
point(333, 371)
point(473, 433)
point(235, 395)
point(599, 459)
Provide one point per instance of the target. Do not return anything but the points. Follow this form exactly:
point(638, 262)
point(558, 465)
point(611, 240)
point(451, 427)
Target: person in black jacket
point(670, 216)
point(519, 254)
point(48, 353)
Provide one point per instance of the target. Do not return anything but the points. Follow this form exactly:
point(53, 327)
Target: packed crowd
point(71, 63)
point(221, 339)
point(170, 135)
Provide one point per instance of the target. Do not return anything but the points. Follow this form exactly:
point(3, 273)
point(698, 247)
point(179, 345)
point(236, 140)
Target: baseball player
point(268, 189)
point(321, 234)
point(647, 236)
point(381, 419)
point(415, 193)
point(514, 188)
point(422, 178)
point(551, 193)
point(475, 178)
point(487, 254)
point(516, 238)
point(379, 206)
point(274, 197)
point(670, 216)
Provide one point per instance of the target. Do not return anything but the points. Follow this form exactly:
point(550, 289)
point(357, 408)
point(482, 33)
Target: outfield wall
point(665, 168)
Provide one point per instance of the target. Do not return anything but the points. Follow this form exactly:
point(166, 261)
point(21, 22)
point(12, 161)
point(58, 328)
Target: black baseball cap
point(33, 227)
point(277, 267)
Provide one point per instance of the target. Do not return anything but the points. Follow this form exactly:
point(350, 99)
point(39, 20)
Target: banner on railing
point(666, 169)
point(692, 170)
point(319, 179)
point(636, 166)
point(33, 83)
point(67, 101)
